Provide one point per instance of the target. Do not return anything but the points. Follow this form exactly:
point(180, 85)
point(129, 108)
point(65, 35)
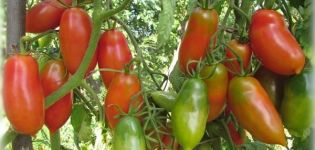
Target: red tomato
point(169, 142)
point(243, 51)
point(75, 32)
point(274, 45)
point(53, 76)
point(201, 27)
point(254, 110)
point(120, 94)
point(23, 96)
point(238, 137)
point(217, 88)
point(44, 16)
point(113, 53)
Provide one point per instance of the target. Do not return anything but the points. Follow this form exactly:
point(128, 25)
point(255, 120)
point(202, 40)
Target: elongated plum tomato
point(190, 113)
point(271, 41)
point(201, 27)
point(44, 16)
point(297, 107)
point(216, 79)
point(53, 76)
point(23, 96)
point(129, 135)
point(75, 32)
point(243, 51)
point(254, 110)
point(113, 53)
point(122, 93)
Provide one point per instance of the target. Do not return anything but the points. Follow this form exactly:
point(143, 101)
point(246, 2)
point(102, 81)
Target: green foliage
point(81, 122)
point(303, 31)
point(166, 20)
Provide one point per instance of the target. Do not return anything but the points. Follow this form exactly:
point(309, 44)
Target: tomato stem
point(55, 140)
point(95, 99)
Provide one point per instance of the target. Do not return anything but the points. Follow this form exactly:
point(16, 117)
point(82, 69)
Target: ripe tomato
point(75, 31)
point(244, 53)
point(122, 92)
point(129, 135)
point(190, 113)
point(217, 85)
point(297, 108)
point(44, 16)
point(254, 110)
point(169, 142)
point(201, 27)
point(272, 42)
point(238, 136)
point(113, 53)
point(23, 97)
point(53, 76)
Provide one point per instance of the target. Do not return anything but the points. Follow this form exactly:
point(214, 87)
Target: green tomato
point(297, 108)
point(190, 113)
point(129, 135)
point(164, 99)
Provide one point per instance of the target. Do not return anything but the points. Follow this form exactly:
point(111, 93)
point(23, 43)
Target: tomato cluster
point(228, 90)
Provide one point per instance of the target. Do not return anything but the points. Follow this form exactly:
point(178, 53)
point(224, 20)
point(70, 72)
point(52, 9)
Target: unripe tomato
point(274, 45)
point(23, 96)
point(254, 110)
point(164, 99)
point(217, 85)
point(53, 76)
point(201, 27)
point(190, 113)
point(297, 107)
point(113, 53)
point(75, 32)
point(122, 92)
point(44, 16)
point(243, 51)
point(272, 83)
point(129, 135)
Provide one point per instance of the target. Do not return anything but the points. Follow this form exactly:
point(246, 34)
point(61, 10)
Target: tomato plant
point(216, 78)
point(190, 113)
point(23, 96)
point(73, 46)
point(54, 75)
point(254, 110)
point(271, 41)
point(113, 53)
point(201, 28)
point(44, 16)
point(123, 91)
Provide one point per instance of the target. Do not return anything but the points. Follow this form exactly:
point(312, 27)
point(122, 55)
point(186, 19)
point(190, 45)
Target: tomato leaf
point(166, 21)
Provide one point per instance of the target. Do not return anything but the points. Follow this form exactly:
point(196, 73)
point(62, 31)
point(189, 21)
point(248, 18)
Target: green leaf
point(166, 20)
point(296, 3)
point(81, 122)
